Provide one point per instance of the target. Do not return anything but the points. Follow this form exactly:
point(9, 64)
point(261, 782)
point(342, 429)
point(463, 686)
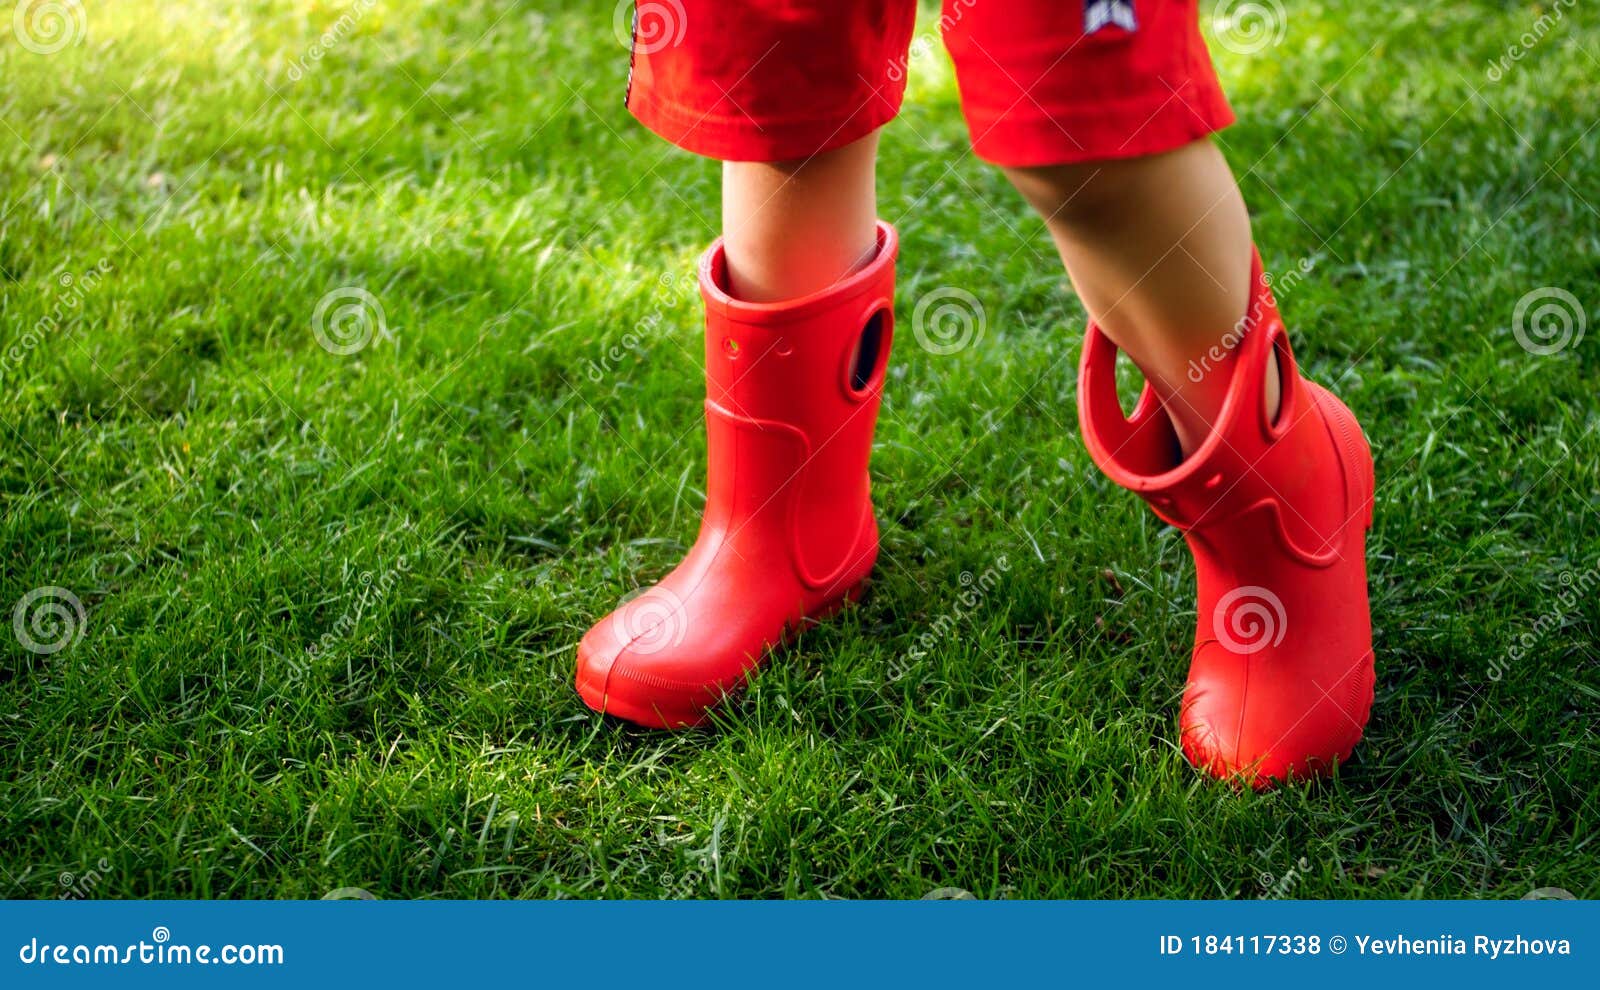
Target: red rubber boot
point(788, 534)
point(1275, 511)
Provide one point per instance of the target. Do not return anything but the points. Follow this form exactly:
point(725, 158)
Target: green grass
point(443, 513)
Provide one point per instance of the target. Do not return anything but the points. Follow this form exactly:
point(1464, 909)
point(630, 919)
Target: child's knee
point(1104, 191)
point(1077, 193)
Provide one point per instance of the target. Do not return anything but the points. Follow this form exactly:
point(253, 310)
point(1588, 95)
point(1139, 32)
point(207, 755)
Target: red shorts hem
point(1018, 140)
point(1041, 81)
point(737, 138)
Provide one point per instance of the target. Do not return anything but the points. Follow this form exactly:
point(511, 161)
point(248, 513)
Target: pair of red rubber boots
point(1275, 508)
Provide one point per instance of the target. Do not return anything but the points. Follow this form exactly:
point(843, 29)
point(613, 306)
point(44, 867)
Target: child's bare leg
point(799, 294)
point(1274, 507)
point(1158, 249)
point(792, 228)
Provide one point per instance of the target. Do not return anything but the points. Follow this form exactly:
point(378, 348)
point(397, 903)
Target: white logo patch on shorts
point(1101, 13)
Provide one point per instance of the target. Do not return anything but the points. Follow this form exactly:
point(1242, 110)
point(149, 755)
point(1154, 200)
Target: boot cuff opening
point(714, 281)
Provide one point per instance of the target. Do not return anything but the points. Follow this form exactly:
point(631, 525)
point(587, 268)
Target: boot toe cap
point(614, 679)
point(1272, 731)
point(656, 662)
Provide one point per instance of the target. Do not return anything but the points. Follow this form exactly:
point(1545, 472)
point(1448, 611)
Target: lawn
point(350, 360)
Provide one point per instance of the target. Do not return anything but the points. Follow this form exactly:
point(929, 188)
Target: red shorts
point(1042, 82)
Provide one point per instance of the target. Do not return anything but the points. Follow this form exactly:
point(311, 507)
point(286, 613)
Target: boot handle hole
point(868, 354)
point(1278, 421)
point(1130, 384)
